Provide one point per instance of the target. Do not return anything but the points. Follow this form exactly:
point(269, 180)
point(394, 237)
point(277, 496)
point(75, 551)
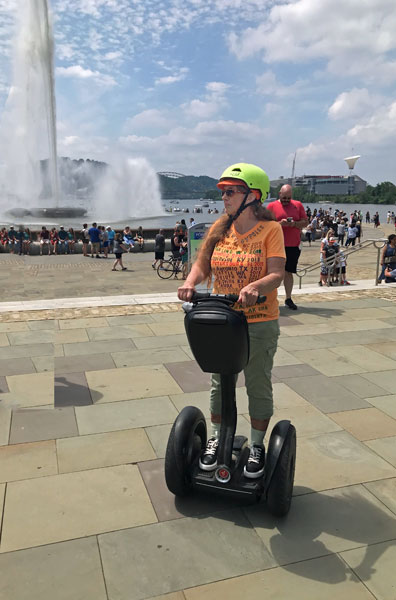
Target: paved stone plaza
point(85, 511)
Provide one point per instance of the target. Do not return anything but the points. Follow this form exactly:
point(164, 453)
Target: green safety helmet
point(254, 177)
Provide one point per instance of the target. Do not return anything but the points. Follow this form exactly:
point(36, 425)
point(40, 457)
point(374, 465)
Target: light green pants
point(263, 344)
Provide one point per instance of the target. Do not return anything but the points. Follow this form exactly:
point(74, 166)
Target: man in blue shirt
point(94, 236)
point(63, 238)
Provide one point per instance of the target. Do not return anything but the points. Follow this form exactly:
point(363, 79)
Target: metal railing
point(301, 272)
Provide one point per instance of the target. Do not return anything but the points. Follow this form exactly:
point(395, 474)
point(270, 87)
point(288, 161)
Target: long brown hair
point(219, 229)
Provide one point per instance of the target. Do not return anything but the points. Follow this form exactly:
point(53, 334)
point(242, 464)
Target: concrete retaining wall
point(34, 248)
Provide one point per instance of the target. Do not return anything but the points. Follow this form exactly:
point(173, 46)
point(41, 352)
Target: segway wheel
point(279, 495)
point(186, 441)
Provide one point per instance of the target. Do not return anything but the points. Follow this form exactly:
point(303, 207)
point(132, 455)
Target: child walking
point(119, 249)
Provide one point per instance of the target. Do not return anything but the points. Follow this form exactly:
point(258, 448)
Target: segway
point(219, 339)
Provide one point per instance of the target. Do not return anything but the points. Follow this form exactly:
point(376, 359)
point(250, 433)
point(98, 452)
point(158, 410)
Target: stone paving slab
point(308, 580)
point(99, 334)
point(26, 351)
point(5, 422)
point(386, 348)
point(26, 461)
point(375, 568)
point(386, 404)
point(62, 571)
point(32, 425)
point(366, 424)
point(68, 336)
point(16, 366)
point(37, 388)
point(22, 338)
point(90, 348)
point(364, 357)
point(103, 450)
point(202, 542)
point(161, 341)
point(324, 523)
point(114, 385)
point(76, 364)
point(74, 505)
point(71, 389)
point(129, 414)
point(384, 490)
point(83, 323)
point(153, 356)
point(3, 385)
point(337, 459)
point(326, 394)
point(44, 363)
point(384, 447)
point(384, 379)
point(360, 386)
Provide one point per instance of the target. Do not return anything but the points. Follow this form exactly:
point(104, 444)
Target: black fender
point(275, 445)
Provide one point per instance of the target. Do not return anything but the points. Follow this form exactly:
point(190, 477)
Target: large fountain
point(33, 182)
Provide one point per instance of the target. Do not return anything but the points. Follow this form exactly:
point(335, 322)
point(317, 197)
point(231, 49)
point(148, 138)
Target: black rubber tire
point(186, 441)
point(279, 495)
point(167, 270)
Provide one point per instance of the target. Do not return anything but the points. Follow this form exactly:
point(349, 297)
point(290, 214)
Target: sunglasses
point(286, 198)
point(230, 193)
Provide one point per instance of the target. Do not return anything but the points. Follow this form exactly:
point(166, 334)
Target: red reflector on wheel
point(223, 473)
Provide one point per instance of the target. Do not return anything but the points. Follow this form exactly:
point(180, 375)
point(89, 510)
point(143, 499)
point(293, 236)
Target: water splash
point(28, 142)
point(29, 119)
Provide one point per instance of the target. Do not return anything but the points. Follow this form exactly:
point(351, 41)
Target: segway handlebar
point(231, 298)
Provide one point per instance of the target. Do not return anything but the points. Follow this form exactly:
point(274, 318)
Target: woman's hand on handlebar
point(248, 296)
point(185, 292)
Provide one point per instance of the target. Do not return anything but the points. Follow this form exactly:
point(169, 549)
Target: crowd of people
point(98, 238)
point(335, 230)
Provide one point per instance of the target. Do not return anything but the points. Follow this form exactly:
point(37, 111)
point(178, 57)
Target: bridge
point(171, 174)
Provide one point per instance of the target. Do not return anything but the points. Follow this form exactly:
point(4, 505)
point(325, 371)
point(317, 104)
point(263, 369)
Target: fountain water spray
point(29, 119)
point(28, 142)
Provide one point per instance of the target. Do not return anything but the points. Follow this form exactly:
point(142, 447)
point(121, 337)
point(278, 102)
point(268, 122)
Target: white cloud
point(353, 37)
point(268, 85)
point(205, 148)
point(78, 72)
point(372, 137)
point(355, 103)
point(112, 55)
point(212, 102)
point(150, 118)
point(179, 75)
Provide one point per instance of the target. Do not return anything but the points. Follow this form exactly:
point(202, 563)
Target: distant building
point(326, 185)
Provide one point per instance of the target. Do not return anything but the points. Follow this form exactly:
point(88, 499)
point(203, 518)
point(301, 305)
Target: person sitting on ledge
point(63, 239)
point(128, 239)
point(45, 240)
point(139, 237)
point(390, 275)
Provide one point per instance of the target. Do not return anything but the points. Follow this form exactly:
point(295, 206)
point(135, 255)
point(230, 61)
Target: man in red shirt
point(291, 215)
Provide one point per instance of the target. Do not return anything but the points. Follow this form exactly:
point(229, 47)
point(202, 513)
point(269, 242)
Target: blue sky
point(195, 85)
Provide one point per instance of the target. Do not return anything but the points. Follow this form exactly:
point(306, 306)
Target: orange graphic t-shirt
point(240, 259)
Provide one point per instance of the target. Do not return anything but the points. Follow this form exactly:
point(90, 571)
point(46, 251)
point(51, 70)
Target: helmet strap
point(243, 206)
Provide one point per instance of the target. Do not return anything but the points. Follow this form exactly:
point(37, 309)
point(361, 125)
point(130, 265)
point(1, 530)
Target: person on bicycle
point(244, 252)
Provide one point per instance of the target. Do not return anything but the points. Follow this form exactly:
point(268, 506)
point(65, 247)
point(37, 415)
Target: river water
point(168, 219)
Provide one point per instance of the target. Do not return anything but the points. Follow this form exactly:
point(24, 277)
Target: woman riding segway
point(244, 252)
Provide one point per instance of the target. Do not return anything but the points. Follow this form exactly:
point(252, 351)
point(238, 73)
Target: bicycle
point(169, 267)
